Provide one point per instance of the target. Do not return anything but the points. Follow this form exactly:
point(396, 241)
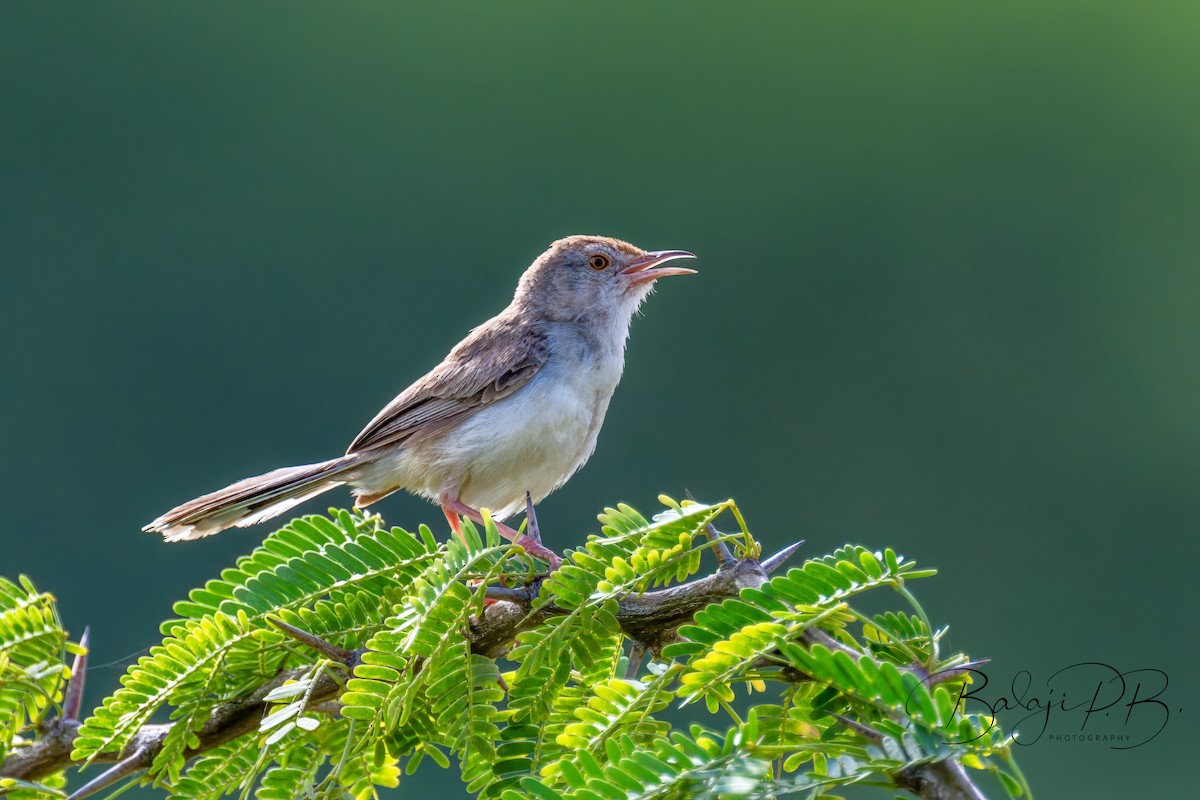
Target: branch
point(939, 780)
point(52, 751)
point(651, 620)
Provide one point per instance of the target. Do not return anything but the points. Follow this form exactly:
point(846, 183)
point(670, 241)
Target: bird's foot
point(536, 549)
point(453, 508)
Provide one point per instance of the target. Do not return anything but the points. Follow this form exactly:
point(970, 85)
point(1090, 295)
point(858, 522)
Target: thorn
point(73, 700)
point(122, 769)
point(323, 647)
point(720, 549)
point(865, 730)
point(636, 651)
point(535, 532)
point(776, 561)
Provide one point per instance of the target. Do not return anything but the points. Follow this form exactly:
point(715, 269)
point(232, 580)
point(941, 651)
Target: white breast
point(532, 440)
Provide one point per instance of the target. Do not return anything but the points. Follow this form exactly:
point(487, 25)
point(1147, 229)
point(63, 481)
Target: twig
point(866, 730)
point(958, 671)
point(720, 549)
point(520, 594)
point(327, 649)
point(330, 707)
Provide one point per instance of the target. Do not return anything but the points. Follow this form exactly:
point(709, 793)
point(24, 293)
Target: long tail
point(252, 500)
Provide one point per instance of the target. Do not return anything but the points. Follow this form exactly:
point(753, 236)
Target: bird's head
point(580, 276)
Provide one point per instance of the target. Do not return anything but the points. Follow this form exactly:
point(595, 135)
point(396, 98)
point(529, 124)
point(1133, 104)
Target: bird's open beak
point(646, 268)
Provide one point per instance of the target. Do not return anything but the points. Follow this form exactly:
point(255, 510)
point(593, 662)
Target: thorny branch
point(650, 620)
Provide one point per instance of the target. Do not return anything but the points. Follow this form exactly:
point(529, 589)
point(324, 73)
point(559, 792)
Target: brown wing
point(495, 360)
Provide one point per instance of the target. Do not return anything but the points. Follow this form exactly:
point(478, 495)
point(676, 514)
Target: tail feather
point(251, 501)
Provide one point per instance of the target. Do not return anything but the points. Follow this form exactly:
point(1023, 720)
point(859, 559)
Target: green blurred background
point(947, 301)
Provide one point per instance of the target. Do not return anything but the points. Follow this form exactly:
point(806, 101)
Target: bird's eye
point(598, 261)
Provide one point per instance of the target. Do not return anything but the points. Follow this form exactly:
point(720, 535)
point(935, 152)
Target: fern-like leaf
point(32, 643)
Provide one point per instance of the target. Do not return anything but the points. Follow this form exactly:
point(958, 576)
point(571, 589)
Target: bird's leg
point(456, 526)
point(453, 507)
point(454, 520)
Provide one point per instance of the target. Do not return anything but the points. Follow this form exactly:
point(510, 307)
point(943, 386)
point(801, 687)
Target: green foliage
point(32, 673)
point(728, 638)
point(842, 698)
point(680, 767)
point(327, 573)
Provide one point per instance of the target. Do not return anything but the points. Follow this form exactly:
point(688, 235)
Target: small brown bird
point(515, 407)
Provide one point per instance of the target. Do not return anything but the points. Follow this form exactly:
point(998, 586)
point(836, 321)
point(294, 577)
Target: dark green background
point(948, 298)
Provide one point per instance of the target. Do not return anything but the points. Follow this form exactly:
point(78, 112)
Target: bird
point(507, 417)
